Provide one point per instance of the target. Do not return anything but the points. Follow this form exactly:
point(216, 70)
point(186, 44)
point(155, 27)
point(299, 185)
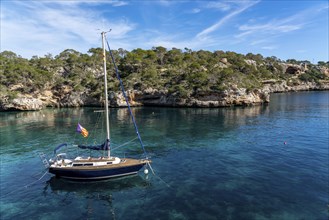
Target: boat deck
point(124, 162)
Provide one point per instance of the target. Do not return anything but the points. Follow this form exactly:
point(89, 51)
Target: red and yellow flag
point(82, 130)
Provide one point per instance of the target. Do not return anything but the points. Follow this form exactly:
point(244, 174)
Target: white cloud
point(269, 47)
point(271, 27)
point(151, 38)
point(223, 6)
point(195, 10)
point(256, 42)
point(301, 51)
point(165, 2)
point(115, 3)
point(38, 28)
point(278, 26)
point(119, 3)
point(204, 34)
point(261, 34)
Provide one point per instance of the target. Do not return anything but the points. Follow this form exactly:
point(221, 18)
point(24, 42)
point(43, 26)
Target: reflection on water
point(97, 198)
point(22, 128)
point(87, 189)
point(47, 115)
point(60, 117)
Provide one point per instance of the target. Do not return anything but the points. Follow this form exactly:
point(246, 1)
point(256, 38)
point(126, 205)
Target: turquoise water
point(265, 162)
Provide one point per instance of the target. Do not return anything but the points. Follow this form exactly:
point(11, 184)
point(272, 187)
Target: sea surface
point(261, 162)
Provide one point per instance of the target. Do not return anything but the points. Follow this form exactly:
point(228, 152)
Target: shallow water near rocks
point(262, 162)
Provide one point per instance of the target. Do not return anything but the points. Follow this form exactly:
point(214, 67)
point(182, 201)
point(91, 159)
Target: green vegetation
point(312, 75)
point(182, 73)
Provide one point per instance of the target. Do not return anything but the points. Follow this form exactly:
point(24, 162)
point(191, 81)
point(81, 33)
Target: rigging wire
point(126, 98)
point(124, 143)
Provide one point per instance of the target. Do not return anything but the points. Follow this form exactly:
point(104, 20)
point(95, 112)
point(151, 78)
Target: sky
point(296, 29)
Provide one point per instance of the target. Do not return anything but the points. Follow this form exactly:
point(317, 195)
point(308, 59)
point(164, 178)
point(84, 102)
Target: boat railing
point(43, 159)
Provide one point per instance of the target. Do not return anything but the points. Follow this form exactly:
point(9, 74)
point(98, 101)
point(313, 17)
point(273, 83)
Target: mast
point(106, 98)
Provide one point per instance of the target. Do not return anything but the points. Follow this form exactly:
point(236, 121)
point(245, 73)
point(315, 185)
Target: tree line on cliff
point(182, 73)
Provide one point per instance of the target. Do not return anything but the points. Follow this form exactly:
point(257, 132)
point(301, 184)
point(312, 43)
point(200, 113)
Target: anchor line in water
point(37, 179)
point(126, 98)
point(157, 175)
point(27, 184)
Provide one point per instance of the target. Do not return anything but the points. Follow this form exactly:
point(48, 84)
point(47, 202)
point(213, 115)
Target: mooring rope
point(27, 184)
point(148, 163)
point(37, 179)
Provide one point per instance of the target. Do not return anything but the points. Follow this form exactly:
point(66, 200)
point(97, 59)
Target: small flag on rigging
point(82, 130)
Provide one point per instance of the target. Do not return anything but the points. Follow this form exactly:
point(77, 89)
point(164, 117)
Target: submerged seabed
point(265, 162)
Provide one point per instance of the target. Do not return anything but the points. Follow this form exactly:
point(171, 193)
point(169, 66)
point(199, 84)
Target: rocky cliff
point(232, 95)
point(152, 97)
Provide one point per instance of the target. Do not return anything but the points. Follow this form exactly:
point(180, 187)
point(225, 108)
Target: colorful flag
point(82, 130)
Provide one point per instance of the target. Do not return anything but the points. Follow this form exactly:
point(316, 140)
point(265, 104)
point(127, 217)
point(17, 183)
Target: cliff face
point(66, 96)
point(275, 87)
point(22, 103)
point(230, 97)
point(152, 97)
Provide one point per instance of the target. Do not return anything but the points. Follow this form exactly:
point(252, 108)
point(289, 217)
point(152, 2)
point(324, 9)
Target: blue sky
point(285, 29)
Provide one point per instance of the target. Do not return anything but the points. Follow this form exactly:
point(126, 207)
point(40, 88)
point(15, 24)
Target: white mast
point(106, 96)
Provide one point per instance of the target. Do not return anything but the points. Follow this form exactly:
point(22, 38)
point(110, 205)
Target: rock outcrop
point(294, 69)
point(283, 86)
point(152, 97)
point(21, 103)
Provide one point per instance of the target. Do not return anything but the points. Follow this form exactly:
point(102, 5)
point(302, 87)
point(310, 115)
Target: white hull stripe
point(101, 177)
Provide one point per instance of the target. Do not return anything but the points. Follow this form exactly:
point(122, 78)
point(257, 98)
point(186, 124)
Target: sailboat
point(88, 168)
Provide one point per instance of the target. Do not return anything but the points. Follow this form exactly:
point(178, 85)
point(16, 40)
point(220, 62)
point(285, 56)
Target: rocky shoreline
point(152, 97)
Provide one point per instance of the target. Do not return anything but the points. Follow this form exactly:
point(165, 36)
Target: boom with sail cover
point(104, 146)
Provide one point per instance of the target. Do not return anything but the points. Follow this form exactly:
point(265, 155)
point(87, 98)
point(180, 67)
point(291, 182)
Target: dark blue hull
point(95, 173)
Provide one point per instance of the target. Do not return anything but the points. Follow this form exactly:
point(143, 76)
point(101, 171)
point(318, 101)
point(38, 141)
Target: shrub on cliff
point(182, 73)
point(312, 75)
